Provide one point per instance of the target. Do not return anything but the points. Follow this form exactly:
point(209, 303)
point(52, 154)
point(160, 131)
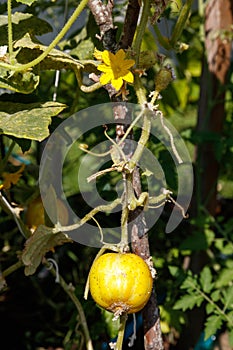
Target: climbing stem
point(141, 29)
point(10, 34)
point(12, 268)
point(120, 338)
point(145, 134)
point(72, 19)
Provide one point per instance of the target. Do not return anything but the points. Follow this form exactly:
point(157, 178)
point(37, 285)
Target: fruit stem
point(120, 338)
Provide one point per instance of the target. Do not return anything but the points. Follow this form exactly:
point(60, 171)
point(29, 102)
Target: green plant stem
point(89, 216)
point(10, 35)
point(145, 134)
point(6, 206)
point(180, 24)
point(125, 214)
point(141, 29)
point(123, 319)
point(12, 268)
point(69, 289)
point(5, 159)
point(142, 141)
point(140, 91)
point(72, 19)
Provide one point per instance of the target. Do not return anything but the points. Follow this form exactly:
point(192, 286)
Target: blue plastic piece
point(207, 344)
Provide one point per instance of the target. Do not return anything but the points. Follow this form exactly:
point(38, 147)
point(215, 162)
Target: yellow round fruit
point(120, 282)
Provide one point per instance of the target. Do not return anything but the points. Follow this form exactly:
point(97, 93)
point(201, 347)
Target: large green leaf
point(29, 121)
point(23, 82)
point(26, 2)
point(42, 241)
point(22, 23)
point(56, 59)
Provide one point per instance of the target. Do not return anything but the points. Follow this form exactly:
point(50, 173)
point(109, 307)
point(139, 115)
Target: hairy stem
point(89, 216)
point(12, 268)
point(141, 29)
point(120, 338)
point(10, 34)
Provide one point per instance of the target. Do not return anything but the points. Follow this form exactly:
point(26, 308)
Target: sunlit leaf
point(56, 59)
point(23, 82)
point(188, 302)
point(42, 241)
point(206, 279)
point(22, 23)
point(210, 308)
point(213, 323)
point(84, 50)
point(224, 278)
point(228, 297)
point(29, 121)
point(26, 2)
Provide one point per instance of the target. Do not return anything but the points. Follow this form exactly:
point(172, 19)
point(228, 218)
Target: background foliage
point(36, 311)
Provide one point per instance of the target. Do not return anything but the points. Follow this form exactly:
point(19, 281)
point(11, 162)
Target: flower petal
point(105, 78)
point(117, 83)
point(128, 64)
point(128, 77)
point(104, 68)
point(98, 54)
point(120, 55)
point(107, 57)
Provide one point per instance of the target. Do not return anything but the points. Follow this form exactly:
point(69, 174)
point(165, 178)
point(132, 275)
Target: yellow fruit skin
point(120, 282)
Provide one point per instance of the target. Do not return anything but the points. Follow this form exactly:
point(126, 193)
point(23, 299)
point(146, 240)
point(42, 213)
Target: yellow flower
point(115, 69)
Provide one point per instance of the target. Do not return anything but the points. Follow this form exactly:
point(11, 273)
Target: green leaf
point(213, 323)
point(56, 59)
point(23, 82)
point(215, 296)
point(84, 50)
point(228, 297)
point(174, 270)
point(42, 241)
point(206, 279)
point(209, 308)
point(189, 283)
point(188, 302)
point(22, 23)
point(26, 2)
point(29, 121)
point(224, 278)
